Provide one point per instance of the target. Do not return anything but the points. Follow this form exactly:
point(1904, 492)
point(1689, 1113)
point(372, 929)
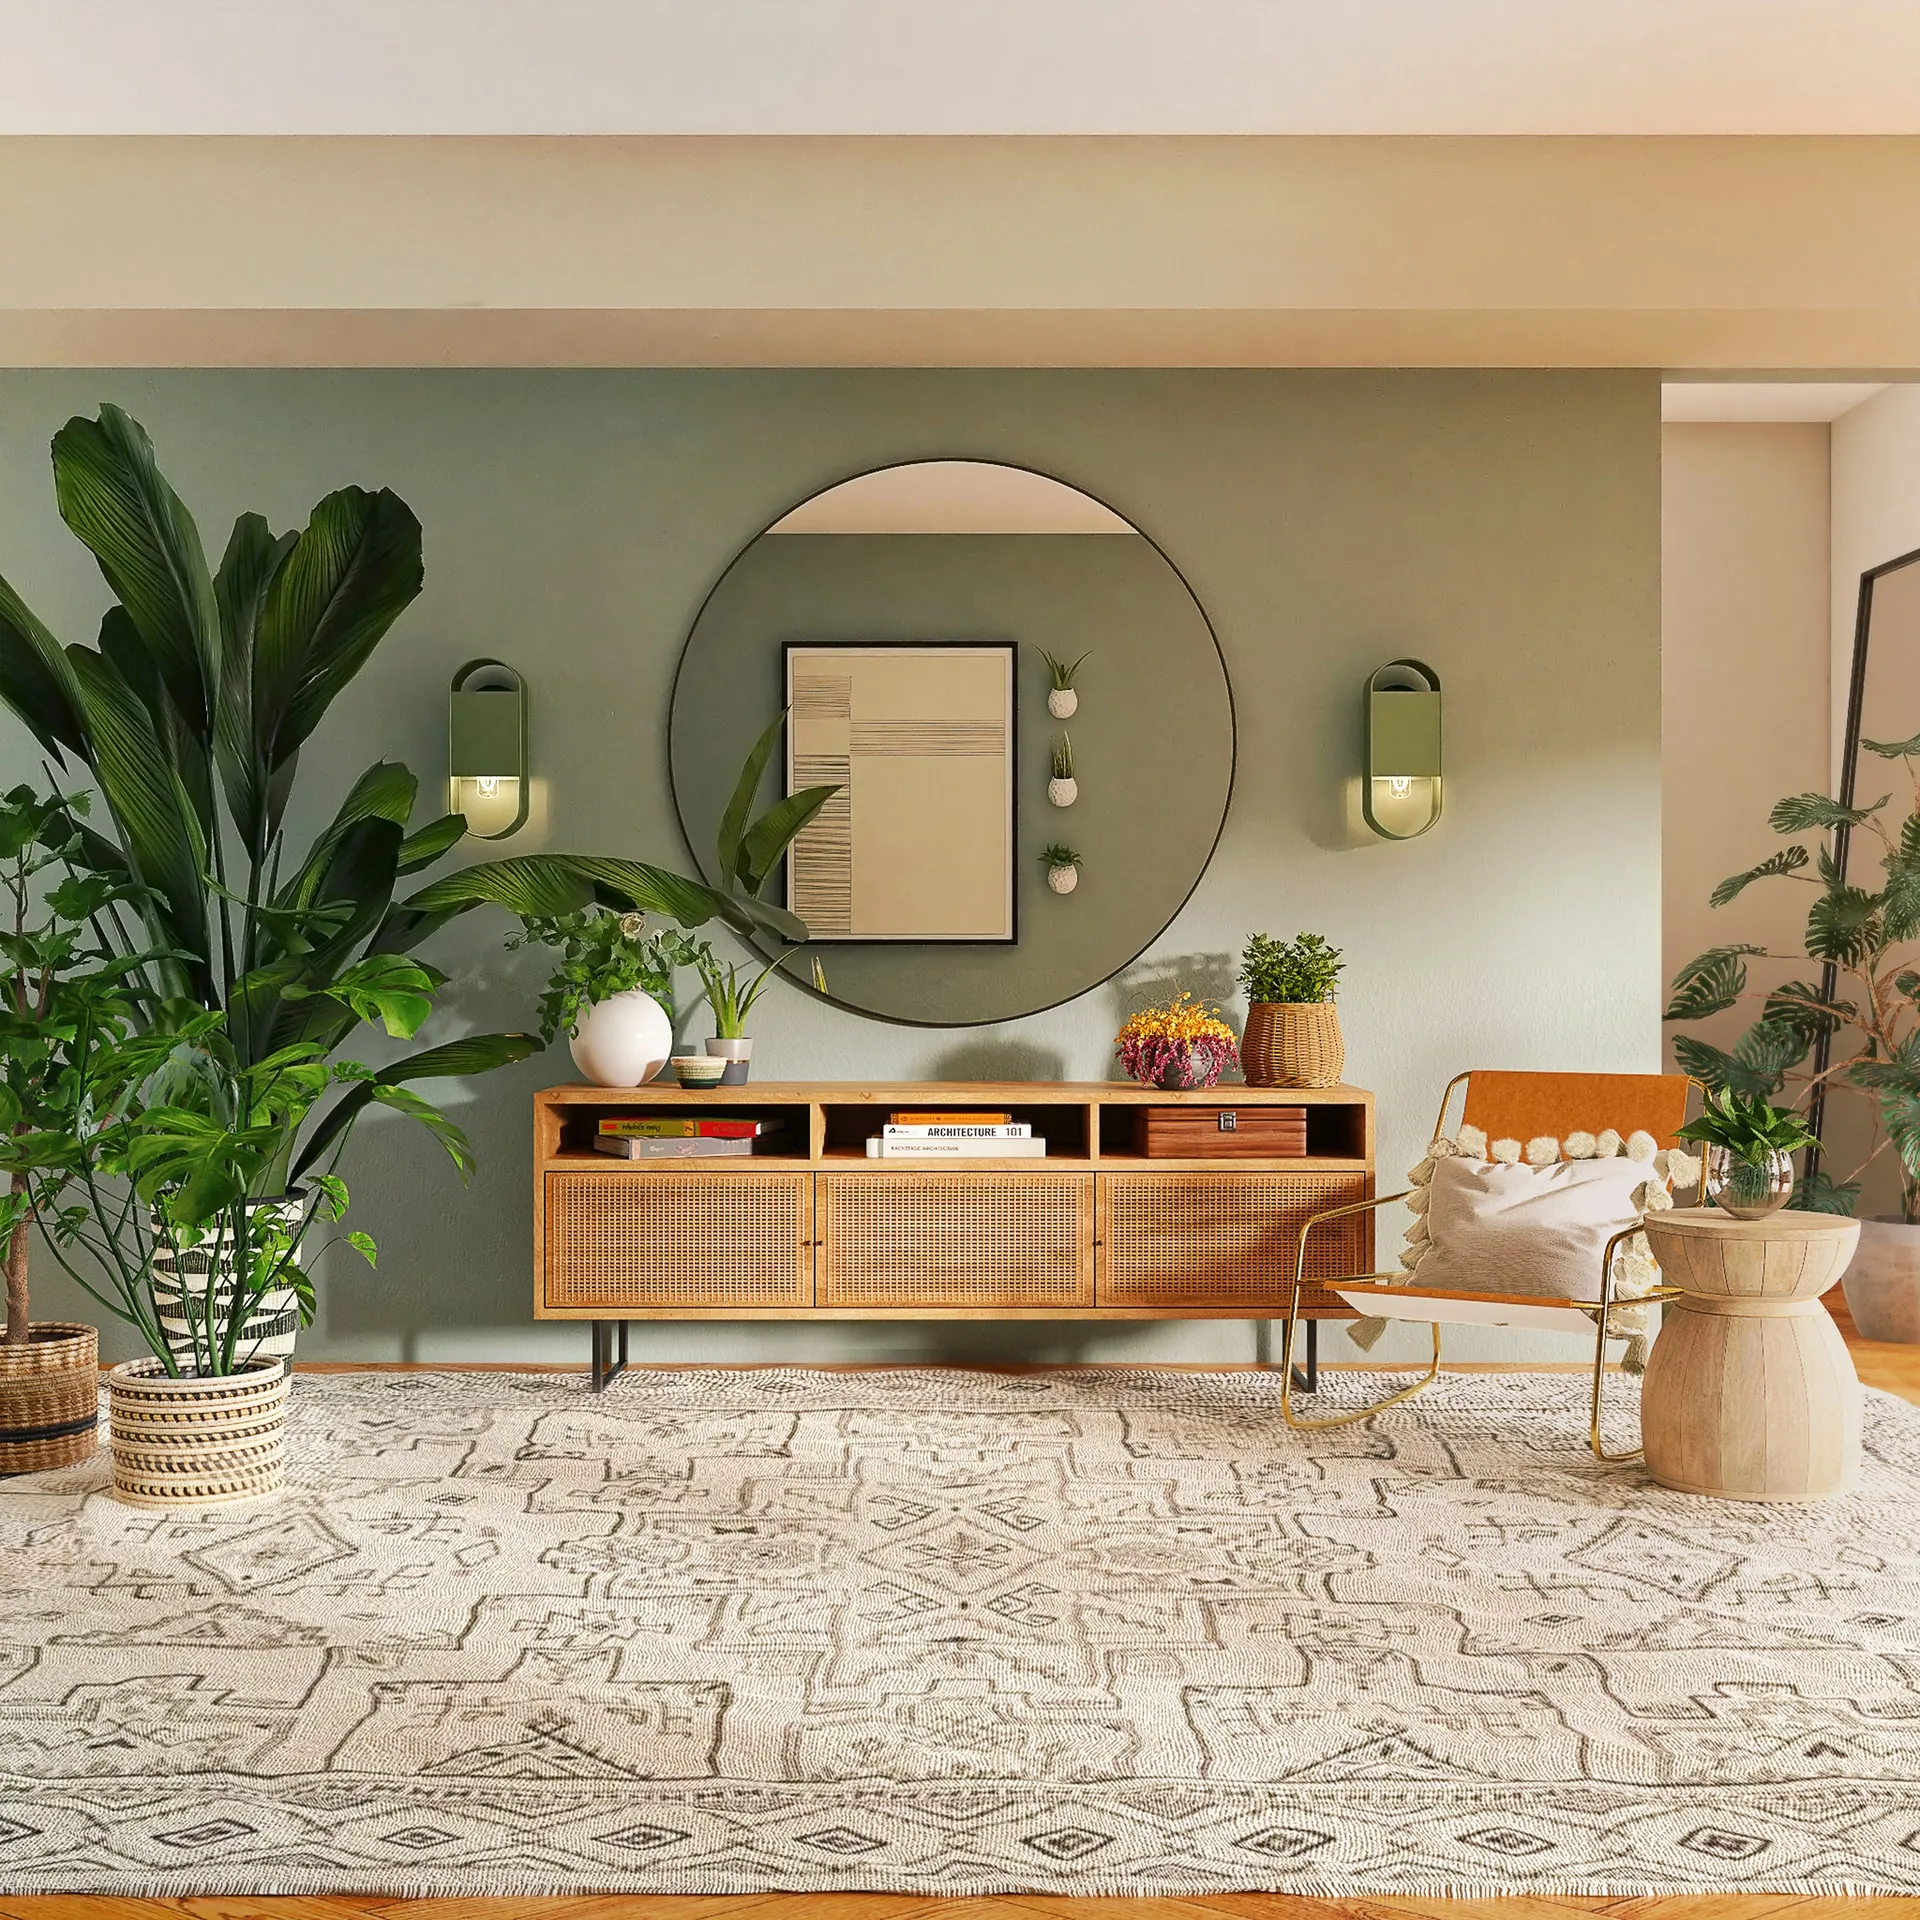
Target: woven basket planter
point(49, 1398)
point(273, 1318)
point(197, 1442)
point(1289, 1045)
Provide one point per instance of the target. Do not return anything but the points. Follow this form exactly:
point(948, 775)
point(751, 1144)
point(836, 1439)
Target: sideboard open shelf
point(1097, 1230)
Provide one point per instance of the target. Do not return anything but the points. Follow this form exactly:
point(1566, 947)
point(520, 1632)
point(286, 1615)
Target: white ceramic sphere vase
point(623, 1041)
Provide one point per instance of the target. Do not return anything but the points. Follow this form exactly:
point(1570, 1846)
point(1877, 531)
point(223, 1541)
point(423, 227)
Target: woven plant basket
point(196, 1442)
point(49, 1398)
point(1289, 1045)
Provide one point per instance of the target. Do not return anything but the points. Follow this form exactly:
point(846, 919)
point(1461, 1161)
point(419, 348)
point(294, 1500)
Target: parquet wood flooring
point(1896, 1369)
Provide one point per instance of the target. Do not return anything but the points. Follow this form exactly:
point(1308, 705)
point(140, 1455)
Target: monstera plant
point(190, 713)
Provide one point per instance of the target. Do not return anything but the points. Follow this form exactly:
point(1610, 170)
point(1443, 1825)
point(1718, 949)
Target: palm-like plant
point(190, 714)
point(1866, 943)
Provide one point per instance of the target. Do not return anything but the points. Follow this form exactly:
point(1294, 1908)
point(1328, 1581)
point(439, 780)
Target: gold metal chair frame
point(1602, 1313)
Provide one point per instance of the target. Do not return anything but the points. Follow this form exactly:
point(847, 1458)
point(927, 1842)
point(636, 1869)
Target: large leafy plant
point(1863, 941)
point(190, 714)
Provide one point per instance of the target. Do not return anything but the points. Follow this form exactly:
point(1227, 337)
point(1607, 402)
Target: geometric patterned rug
point(951, 1632)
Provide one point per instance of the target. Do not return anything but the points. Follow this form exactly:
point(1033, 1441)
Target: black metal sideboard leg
point(606, 1369)
point(1307, 1379)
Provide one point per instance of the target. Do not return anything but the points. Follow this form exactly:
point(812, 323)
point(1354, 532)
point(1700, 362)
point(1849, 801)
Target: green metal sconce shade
point(487, 747)
point(1400, 790)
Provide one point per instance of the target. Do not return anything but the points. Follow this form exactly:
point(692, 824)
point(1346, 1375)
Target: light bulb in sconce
point(489, 785)
point(1398, 785)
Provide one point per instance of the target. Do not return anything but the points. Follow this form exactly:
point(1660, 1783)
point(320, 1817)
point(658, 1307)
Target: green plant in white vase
point(1063, 867)
point(1063, 698)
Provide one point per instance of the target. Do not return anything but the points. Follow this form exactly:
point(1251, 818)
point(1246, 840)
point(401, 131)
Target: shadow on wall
point(1000, 1060)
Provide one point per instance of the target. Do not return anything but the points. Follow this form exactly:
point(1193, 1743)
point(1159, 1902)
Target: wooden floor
point(1895, 1369)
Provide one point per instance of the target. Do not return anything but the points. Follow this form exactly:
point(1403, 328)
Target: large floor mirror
point(1883, 703)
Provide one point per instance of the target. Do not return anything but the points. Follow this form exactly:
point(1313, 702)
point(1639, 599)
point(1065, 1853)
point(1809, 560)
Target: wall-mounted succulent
point(1063, 789)
point(1063, 701)
point(1063, 867)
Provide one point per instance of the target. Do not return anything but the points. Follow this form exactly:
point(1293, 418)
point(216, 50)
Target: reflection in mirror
point(1883, 703)
point(872, 603)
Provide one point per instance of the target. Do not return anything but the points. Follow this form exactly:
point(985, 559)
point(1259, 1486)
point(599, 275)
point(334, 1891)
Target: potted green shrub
point(165, 1165)
point(1293, 1036)
point(1864, 941)
point(1749, 1152)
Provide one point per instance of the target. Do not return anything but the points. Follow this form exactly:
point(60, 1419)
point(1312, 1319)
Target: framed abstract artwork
point(918, 844)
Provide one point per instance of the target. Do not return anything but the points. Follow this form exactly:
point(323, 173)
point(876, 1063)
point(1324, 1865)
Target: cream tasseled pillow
point(1495, 1226)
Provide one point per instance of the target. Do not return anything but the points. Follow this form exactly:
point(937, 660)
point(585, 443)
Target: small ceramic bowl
point(697, 1069)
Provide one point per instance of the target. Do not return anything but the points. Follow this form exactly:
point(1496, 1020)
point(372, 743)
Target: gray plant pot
point(736, 1053)
point(1883, 1283)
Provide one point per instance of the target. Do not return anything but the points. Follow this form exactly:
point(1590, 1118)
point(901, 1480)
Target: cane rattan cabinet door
point(1225, 1239)
point(654, 1240)
point(990, 1240)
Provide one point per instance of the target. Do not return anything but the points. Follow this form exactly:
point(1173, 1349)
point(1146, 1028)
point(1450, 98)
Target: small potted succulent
point(1181, 1045)
point(1293, 1036)
point(1749, 1152)
point(1062, 789)
point(611, 992)
point(1063, 698)
point(1063, 867)
point(731, 992)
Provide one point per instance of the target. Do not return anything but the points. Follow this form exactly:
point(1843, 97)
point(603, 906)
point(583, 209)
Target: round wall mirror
point(902, 620)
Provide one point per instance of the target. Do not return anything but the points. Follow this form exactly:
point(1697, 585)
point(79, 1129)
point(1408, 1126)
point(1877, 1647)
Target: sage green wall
point(1503, 526)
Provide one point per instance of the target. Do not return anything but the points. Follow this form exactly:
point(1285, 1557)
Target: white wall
point(1876, 516)
point(1743, 674)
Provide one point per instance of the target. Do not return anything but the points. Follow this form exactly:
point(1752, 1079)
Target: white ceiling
point(960, 66)
point(1754, 402)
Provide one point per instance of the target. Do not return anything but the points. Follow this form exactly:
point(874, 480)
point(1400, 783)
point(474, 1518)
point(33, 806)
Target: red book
point(647, 1127)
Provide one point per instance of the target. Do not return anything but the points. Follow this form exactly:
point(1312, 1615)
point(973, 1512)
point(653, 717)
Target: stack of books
point(675, 1139)
point(955, 1136)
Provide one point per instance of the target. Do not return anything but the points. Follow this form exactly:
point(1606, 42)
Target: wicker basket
point(49, 1398)
point(197, 1442)
point(1289, 1045)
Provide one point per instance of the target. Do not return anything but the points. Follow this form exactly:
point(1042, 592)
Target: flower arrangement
point(1182, 1044)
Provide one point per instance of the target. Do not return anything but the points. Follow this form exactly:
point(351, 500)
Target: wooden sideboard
point(1095, 1231)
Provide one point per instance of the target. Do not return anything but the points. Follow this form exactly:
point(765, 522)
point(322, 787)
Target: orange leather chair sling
point(1508, 1106)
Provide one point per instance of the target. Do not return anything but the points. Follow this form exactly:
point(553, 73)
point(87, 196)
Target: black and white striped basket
point(273, 1318)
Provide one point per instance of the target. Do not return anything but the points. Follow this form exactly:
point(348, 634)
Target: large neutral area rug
point(958, 1632)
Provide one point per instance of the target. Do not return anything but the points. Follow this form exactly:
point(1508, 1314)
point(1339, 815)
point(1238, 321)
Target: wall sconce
point(1400, 795)
point(487, 749)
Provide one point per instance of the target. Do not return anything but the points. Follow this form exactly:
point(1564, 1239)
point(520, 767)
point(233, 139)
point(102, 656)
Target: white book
point(1018, 1130)
point(1027, 1149)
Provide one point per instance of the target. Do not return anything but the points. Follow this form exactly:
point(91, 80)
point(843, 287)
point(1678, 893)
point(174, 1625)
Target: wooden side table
point(1750, 1393)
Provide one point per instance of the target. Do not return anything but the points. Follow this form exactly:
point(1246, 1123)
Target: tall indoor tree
point(190, 714)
